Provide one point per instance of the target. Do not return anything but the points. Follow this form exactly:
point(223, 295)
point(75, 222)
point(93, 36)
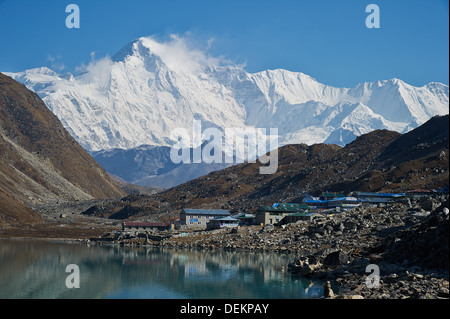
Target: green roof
point(280, 208)
point(327, 194)
point(244, 216)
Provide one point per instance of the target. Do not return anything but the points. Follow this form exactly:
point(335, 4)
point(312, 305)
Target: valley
point(51, 188)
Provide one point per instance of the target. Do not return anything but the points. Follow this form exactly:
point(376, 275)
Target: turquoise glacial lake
point(38, 270)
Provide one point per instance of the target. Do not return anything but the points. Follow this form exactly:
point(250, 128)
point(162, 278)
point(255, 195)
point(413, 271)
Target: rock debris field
point(406, 242)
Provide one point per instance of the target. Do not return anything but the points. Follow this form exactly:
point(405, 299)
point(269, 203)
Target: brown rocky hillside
point(39, 160)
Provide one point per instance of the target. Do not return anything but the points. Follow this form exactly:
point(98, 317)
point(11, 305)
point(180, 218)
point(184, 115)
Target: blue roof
point(350, 199)
point(366, 193)
point(373, 194)
point(218, 212)
point(319, 201)
point(388, 195)
point(285, 204)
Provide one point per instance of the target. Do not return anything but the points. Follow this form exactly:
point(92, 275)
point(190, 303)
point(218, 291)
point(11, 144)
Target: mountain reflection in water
point(37, 269)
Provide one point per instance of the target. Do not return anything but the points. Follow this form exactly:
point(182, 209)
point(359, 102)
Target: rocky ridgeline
point(407, 241)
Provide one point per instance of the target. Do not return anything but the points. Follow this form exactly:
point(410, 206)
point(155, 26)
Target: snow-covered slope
point(148, 89)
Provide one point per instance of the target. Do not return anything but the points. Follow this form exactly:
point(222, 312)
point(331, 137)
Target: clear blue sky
point(327, 40)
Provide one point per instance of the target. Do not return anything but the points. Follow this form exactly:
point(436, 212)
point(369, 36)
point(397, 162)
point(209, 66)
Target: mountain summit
point(148, 89)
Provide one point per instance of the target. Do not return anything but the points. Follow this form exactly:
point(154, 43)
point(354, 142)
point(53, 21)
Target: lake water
point(37, 269)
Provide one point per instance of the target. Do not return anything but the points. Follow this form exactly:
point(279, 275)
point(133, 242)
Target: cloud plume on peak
point(181, 55)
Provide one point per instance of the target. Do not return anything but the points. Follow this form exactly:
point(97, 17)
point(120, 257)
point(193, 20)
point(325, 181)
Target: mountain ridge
point(40, 161)
point(374, 162)
point(157, 87)
point(148, 89)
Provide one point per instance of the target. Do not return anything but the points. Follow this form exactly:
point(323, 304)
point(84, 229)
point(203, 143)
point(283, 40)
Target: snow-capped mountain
point(148, 89)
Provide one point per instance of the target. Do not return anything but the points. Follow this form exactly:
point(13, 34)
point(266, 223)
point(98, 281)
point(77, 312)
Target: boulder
point(303, 267)
point(429, 203)
point(337, 258)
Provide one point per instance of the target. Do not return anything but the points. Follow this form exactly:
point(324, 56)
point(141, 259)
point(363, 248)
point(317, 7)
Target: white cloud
point(180, 54)
point(55, 63)
point(97, 71)
point(210, 42)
